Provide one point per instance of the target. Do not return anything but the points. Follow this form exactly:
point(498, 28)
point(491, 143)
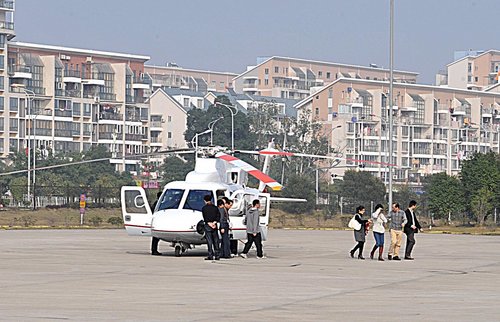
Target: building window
point(469, 67)
point(169, 118)
point(327, 75)
point(266, 81)
point(266, 71)
point(3, 39)
point(476, 79)
point(186, 102)
point(317, 111)
point(320, 73)
point(2, 83)
point(199, 103)
point(1, 103)
point(276, 69)
point(169, 135)
point(14, 104)
point(2, 62)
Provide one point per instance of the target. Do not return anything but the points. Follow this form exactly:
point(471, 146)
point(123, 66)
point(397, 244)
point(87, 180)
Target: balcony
point(156, 126)
point(6, 27)
point(63, 113)
point(63, 133)
point(156, 141)
point(142, 83)
point(111, 116)
point(133, 137)
point(72, 93)
point(107, 96)
point(93, 79)
point(132, 118)
point(72, 76)
point(356, 102)
point(487, 112)
point(459, 110)
point(6, 5)
point(20, 71)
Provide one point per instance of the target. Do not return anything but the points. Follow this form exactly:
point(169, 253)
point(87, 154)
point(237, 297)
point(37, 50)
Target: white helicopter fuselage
point(177, 216)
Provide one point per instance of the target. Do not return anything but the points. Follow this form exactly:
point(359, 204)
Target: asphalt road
point(104, 275)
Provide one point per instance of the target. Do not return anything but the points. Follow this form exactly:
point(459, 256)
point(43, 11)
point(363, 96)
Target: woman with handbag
point(359, 234)
point(378, 231)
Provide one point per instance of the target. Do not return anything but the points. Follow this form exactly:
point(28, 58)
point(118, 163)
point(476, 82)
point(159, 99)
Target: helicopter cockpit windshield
point(170, 199)
point(195, 200)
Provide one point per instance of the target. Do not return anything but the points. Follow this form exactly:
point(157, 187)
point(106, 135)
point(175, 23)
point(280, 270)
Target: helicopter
point(177, 217)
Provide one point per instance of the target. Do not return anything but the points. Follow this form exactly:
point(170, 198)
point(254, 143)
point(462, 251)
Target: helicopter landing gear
point(180, 248)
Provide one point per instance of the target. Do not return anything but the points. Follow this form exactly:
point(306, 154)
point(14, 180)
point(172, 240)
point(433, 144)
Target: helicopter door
point(237, 213)
point(136, 212)
point(265, 202)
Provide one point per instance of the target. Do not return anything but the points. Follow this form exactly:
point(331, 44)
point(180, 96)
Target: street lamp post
point(391, 94)
point(30, 95)
point(230, 108)
point(211, 128)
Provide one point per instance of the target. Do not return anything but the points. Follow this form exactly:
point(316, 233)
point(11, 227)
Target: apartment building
point(475, 71)
point(189, 79)
point(294, 78)
point(68, 99)
point(6, 33)
point(170, 106)
point(435, 128)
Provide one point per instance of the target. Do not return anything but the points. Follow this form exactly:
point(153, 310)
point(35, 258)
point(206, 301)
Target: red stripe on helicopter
point(174, 231)
point(137, 226)
point(251, 170)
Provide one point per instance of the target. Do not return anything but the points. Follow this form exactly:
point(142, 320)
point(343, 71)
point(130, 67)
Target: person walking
point(359, 235)
point(411, 227)
point(253, 230)
point(397, 220)
point(155, 240)
point(378, 231)
point(224, 229)
point(211, 216)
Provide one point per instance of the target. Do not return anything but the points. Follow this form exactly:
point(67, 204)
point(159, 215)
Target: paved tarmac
point(104, 275)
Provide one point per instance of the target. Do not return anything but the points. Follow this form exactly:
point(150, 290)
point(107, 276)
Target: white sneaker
point(243, 255)
point(263, 257)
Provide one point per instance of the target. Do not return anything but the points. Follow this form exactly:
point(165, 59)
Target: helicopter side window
point(220, 193)
point(195, 200)
point(171, 199)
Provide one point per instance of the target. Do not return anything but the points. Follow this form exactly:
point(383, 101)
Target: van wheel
point(178, 251)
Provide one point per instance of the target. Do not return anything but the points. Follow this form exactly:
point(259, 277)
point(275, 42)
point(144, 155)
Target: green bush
point(115, 221)
point(95, 220)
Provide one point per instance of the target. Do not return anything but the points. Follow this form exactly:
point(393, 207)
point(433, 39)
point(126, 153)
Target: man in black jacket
point(211, 216)
point(411, 227)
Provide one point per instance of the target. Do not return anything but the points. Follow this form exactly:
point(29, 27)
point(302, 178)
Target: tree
point(403, 195)
point(479, 174)
point(19, 187)
point(445, 195)
point(299, 186)
point(175, 168)
point(361, 188)
point(481, 204)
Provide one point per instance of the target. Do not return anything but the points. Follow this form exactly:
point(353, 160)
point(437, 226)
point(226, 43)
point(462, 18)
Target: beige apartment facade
point(189, 79)
point(6, 33)
point(294, 78)
point(68, 99)
point(435, 128)
point(474, 72)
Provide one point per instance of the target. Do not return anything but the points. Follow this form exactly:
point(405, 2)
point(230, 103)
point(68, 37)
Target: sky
point(224, 35)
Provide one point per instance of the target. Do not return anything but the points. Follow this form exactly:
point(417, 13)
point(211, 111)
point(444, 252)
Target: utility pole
point(391, 95)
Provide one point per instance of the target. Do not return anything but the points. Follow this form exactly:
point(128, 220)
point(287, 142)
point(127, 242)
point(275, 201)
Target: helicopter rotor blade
point(270, 182)
point(274, 152)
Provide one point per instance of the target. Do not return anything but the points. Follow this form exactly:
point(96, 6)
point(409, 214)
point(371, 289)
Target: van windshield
point(171, 199)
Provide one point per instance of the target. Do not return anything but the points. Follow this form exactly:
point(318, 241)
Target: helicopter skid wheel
point(178, 250)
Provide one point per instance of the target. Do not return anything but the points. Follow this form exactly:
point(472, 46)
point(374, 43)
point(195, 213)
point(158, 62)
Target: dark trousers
point(154, 244)
point(257, 239)
point(212, 237)
point(410, 242)
point(233, 245)
point(225, 251)
point(360, 245)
